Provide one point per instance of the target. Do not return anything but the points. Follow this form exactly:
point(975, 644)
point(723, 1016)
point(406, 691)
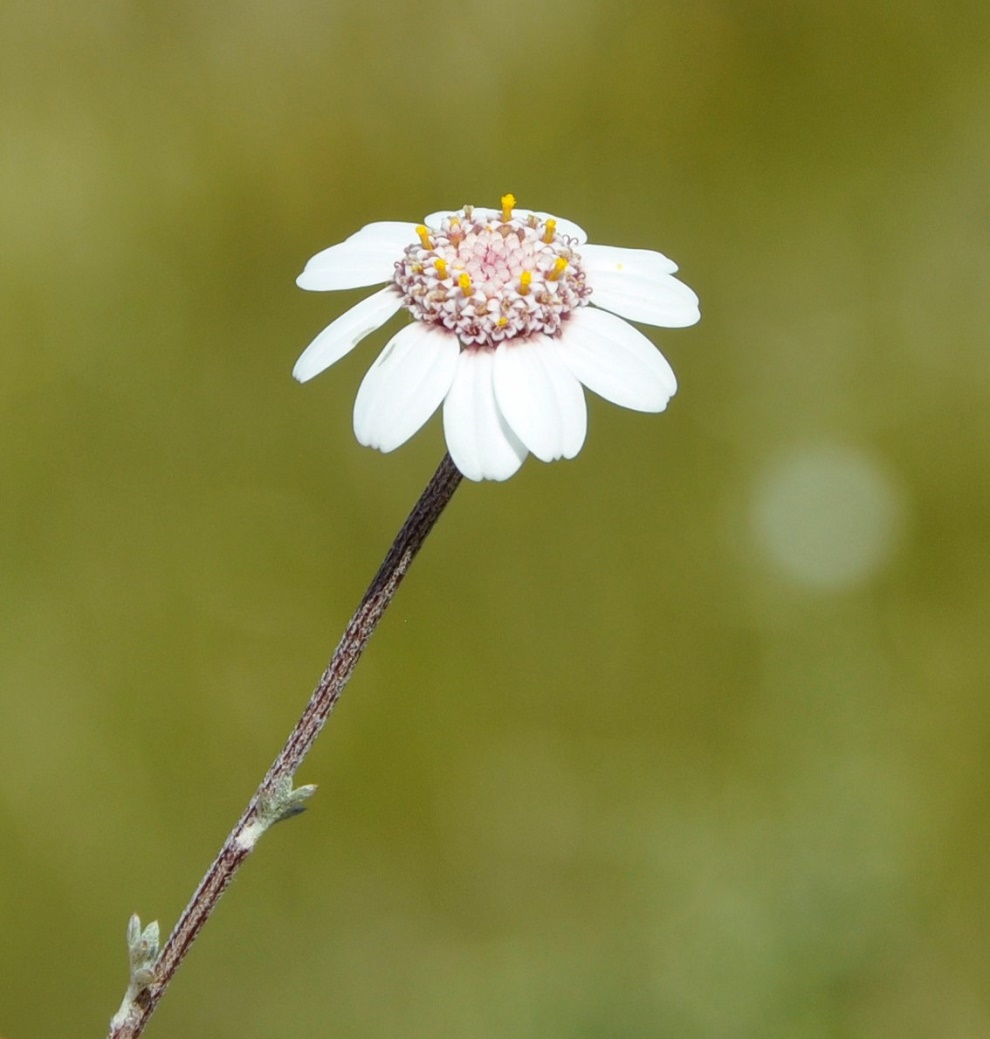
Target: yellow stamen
point(508, 201)
point(424, 236)
point(465, 283)
point(558, 269)
point(441, 266)
point(502, 322)
point(524, 279)
point(550, 231)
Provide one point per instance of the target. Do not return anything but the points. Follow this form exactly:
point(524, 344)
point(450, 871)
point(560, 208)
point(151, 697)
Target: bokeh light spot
point(828, 517)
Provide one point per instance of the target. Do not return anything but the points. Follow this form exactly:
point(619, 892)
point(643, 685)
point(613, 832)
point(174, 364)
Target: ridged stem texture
point(274, 799)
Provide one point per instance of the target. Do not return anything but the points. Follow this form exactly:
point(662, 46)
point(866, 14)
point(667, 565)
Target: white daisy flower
point(502, 335)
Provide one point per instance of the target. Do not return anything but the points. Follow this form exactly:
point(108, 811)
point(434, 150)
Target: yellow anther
point(441, 266)
point(550, 231)
point(508, 201)
point(424, 236)
point(524, 279)
point(558, 269)
point(465, 283)
point(502, 322)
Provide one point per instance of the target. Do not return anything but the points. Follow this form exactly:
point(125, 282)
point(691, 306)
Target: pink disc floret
point(488, 276)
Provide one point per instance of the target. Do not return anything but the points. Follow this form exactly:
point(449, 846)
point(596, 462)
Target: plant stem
point(274, 800)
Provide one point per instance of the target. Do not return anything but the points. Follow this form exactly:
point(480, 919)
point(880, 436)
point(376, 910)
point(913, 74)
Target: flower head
point(502, 333)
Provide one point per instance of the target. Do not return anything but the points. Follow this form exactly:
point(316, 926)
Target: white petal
point(434, 220)
point(399, 232)
point(616, 361)
point(404, 386)
point(564, 227)
point(614, 258)
point(540, 399)
point(637, 284)
point(368, 257)
point(341, 336)
point(478, 438)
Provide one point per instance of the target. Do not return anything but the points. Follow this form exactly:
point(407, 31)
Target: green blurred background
point(688, 737)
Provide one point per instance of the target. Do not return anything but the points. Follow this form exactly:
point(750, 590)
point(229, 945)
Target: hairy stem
point(275, 799)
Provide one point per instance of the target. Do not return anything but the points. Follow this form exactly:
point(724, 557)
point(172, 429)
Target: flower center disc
point(488, 276)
